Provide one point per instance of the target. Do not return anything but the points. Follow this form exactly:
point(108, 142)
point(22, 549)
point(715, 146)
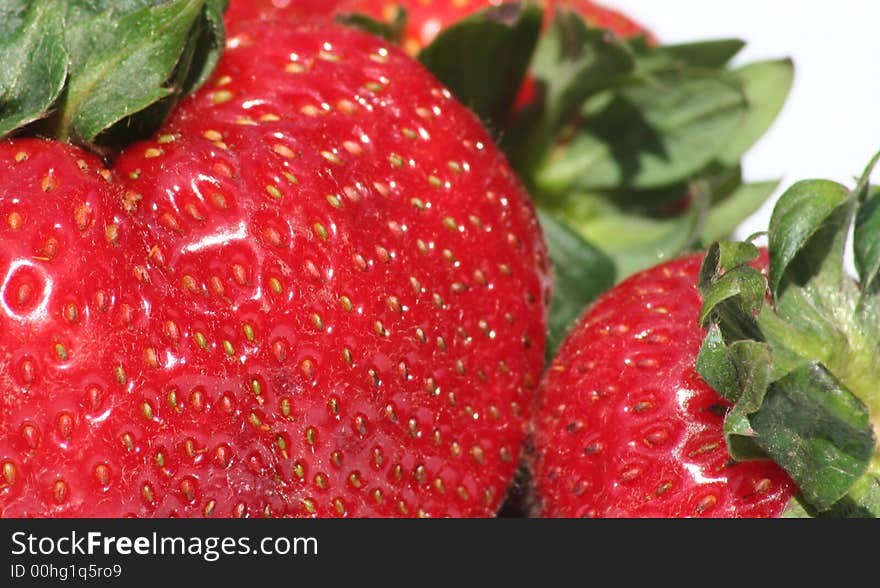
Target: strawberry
point(318, 291)
point(427, 19)
point(424, 19)
point(70, 310)
point(364, 261)
point(626, 428)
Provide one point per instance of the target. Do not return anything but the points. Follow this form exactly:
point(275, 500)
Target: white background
point(830, 127)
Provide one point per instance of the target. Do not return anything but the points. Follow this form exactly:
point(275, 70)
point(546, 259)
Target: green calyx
point(796, 351)
point(102, 73)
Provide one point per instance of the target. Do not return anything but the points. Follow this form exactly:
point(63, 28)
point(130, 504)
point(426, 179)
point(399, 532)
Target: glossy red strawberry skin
point(71, 308)
point(626, 427)
point(335, 216)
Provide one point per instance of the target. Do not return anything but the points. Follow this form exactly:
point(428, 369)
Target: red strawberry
point(425, 18)
point(70, 309)
point(626, 427)
point(364, 264)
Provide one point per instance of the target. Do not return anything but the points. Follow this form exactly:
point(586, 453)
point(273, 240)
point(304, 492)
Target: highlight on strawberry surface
point(311, 258)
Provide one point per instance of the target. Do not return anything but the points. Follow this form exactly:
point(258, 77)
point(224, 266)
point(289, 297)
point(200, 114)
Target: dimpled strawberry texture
point(358, 249)
point(627, 428)
point(69, 310)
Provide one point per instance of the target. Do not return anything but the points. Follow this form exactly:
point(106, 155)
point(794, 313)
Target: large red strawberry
point(360, 249)
point(319, 291)
point(625, 426)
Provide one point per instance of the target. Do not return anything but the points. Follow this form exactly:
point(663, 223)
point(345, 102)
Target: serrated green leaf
point(128, 63)
point(149, 40)
point(483, 59)
point(723, 256)
point(816, 429)
point(716, 367)
point(581, 272)
point(647, 136)
point(33, 61)
point(767, 86)
point(753, 362)
point(811, 208)
point(733, 300)
point(732, 290)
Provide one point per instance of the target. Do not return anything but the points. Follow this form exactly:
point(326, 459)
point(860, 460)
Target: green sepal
point(127, 63)
point(716, 367)
point(862, 502)
point(753, 363)
point(816, 429)
point(391, 31)
point(804, 358)
point(483, 58)
point(867, 244)
point(581, 272)
point(33, 61)
point(733, 291)
point(635, 238)
point(807, 224)
point(711, 54)
point(572, 62)
point(121, 63)
point(866, 234)
point(767, 86)
point(648, 135)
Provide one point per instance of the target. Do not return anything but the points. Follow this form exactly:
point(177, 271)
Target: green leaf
point(581, 272)
point(572, 62)
point(391, 31)
point(809, 225)
point(204, 49)
point(818, 431)
point(635, 238)
point(767, 85)
point(724, 256)
point(33, 61)
point(866, 242)
point(483, 59)
point(754, 371)
point(716, 367)
point(712, 54)
point(726, 215)
point(648, 135)
point(126, 64)
point(866, 236)
point(104, 55)
point(733, 300)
